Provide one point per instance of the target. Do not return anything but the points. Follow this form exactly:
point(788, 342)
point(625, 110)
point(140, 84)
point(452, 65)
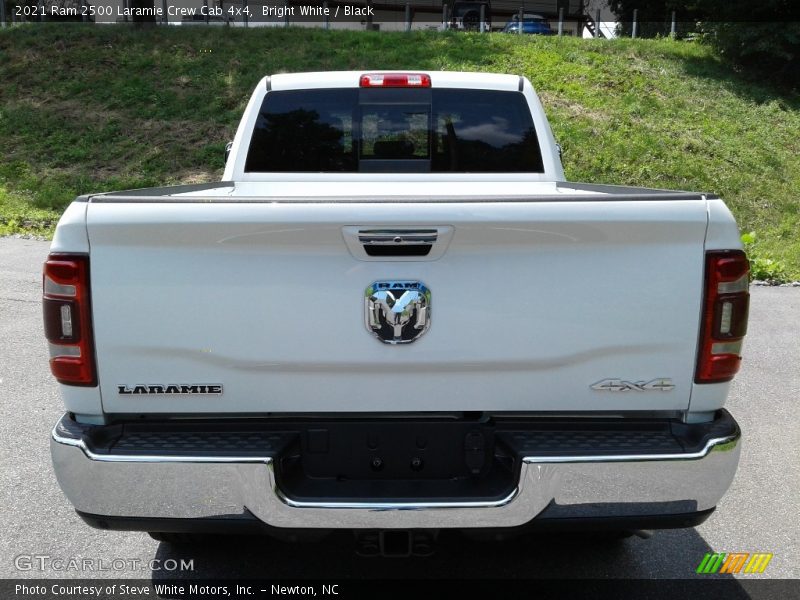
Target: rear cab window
point(394, 130)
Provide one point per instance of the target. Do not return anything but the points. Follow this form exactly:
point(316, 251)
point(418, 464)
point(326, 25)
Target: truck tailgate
point(532, 303)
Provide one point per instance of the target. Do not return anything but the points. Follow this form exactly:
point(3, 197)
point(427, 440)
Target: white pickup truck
point(395, 316)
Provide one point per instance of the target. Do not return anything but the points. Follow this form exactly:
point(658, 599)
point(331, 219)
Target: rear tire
point(613, 535)
point(178, 539)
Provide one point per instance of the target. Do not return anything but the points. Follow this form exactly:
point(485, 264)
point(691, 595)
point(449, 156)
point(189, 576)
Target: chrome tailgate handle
point(398, 237)
point(397, 243)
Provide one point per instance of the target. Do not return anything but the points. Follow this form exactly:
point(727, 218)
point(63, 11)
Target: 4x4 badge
point(620, 385)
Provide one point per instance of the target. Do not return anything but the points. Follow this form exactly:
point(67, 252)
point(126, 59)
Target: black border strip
point(166, 585)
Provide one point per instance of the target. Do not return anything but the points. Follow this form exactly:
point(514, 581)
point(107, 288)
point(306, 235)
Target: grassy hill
point(91, 108)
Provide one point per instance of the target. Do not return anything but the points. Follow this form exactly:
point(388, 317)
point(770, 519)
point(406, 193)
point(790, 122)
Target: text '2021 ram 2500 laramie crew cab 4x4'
point(395, 315)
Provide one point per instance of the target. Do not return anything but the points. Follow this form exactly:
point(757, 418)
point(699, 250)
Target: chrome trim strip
point(709, 447)
point(397, 235)
point(79, 443)
point(201, 486)
point(165, 458)
point(384, 506)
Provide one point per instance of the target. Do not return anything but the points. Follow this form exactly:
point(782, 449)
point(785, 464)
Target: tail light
point(724, 322)
point(67, 319)
point(395, 80)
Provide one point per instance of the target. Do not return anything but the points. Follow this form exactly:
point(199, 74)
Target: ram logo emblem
point(397, 312)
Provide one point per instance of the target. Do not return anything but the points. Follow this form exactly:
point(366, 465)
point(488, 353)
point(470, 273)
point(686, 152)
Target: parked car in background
point(531, 25)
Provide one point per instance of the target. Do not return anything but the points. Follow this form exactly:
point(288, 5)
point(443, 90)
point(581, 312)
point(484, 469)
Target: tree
point(762, 35)
point(655, 16)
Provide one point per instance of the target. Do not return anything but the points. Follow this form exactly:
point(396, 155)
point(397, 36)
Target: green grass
point(90, 108)
point(19, 214)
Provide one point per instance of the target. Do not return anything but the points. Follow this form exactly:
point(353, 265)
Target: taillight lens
point(67, 318)
point(724, 324)
point(395, 80)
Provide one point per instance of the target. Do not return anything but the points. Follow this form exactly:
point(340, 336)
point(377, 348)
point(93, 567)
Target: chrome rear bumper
point(201, 487)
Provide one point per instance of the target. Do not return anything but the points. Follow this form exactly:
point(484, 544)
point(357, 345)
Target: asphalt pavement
point(758, 514)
